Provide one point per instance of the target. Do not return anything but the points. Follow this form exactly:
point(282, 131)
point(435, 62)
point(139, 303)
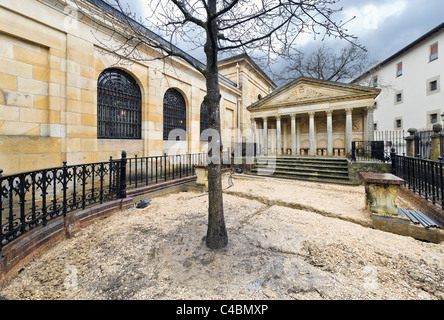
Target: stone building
point(65, 96)
point(313, 117)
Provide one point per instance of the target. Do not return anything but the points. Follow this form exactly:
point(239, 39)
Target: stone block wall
point(50, 61)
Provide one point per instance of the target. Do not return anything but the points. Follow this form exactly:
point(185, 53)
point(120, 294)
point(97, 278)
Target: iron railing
point(422, 176)
point(368, 151)
point(32, 199)
point(143, 171)
point(392, 139)
point(423, 143)
point(441, 144)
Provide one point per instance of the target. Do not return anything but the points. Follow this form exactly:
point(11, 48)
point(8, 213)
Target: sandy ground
point(287, 240)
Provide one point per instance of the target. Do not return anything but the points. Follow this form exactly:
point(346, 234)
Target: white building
point(410, 80)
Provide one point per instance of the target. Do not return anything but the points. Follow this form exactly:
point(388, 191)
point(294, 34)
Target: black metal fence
point(392, 139)
point(143, 171)
point(422, 176)
point(441, 145)
point(32, 199)
point(423, 143)
point(369, 151)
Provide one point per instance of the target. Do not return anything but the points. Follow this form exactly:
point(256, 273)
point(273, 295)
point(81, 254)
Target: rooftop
point(402, 51)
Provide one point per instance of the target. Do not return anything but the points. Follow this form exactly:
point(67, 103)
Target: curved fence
point(33, 199)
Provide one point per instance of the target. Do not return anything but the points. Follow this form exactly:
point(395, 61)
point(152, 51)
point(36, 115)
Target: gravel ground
point(287, 240)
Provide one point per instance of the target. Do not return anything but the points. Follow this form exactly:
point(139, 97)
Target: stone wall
point(50, 60)
point(354, 168)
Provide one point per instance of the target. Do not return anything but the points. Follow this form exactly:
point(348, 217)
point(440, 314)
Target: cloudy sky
point(383, 27)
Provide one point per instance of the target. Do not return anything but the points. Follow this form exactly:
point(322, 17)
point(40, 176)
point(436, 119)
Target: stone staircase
point(322, 169)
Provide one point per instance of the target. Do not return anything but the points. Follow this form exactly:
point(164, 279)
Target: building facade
point(65, 96)
point(410, 81)
point(313, 117)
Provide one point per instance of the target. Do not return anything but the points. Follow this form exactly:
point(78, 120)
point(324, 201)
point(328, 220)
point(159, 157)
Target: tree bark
point(217, 237)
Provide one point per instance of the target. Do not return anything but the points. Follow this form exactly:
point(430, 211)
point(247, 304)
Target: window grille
point(174, 112)
point(203, 119)
point(119, 106)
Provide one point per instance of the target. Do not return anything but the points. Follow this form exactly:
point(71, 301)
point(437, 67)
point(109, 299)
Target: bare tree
point(326, 63)
point(217, 26)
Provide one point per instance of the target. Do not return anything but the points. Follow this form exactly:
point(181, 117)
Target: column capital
point(278, 117)
point(293, 115)
point(329, 112)
point(370, 109)
point(311, 114)
point(265, 118)
point(348, 110)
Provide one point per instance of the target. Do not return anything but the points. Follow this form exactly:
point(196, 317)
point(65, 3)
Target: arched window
point(119, 106)
point(203, 119)
point(174, 112)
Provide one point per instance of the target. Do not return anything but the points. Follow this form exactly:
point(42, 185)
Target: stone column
point(348, 130)
point(435, 151)
point(285, 135)
point(293, 135)
point(365, 129)
point(370, 124)
point(253, 130)
point(329, 132)
point(312, 134)
point(410, 143)
point(265, 136)
point(253, 135)
point(278, 135)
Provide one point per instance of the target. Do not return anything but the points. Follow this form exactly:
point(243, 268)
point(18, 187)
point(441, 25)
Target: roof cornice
point(149, 33)
point(359, 92)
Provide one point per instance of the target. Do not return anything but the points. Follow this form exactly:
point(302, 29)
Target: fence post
point(441, 181)
point(393, 158)
point(123, 161)
point(353, 153)
point(65, 187)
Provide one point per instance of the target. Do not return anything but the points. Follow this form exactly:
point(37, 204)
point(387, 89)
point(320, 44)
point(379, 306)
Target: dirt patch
point(274, 252)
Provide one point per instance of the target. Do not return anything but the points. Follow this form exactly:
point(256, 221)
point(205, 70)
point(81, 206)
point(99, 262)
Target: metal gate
point(423, 144)
point(368, 151)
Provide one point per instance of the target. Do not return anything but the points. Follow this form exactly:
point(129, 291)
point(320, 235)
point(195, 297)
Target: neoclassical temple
point(313, 117)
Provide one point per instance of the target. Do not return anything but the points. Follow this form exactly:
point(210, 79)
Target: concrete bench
point(381, 191)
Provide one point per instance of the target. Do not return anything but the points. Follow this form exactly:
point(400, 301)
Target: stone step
point(304, 168)
point(305, 160)
point(338, 166)
point(304, 176)
point(325, 170)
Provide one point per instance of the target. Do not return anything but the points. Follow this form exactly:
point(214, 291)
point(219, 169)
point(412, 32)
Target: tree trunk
point(217, 237)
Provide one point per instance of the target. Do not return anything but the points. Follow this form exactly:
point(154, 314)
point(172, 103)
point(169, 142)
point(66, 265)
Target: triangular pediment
point(304, 91)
